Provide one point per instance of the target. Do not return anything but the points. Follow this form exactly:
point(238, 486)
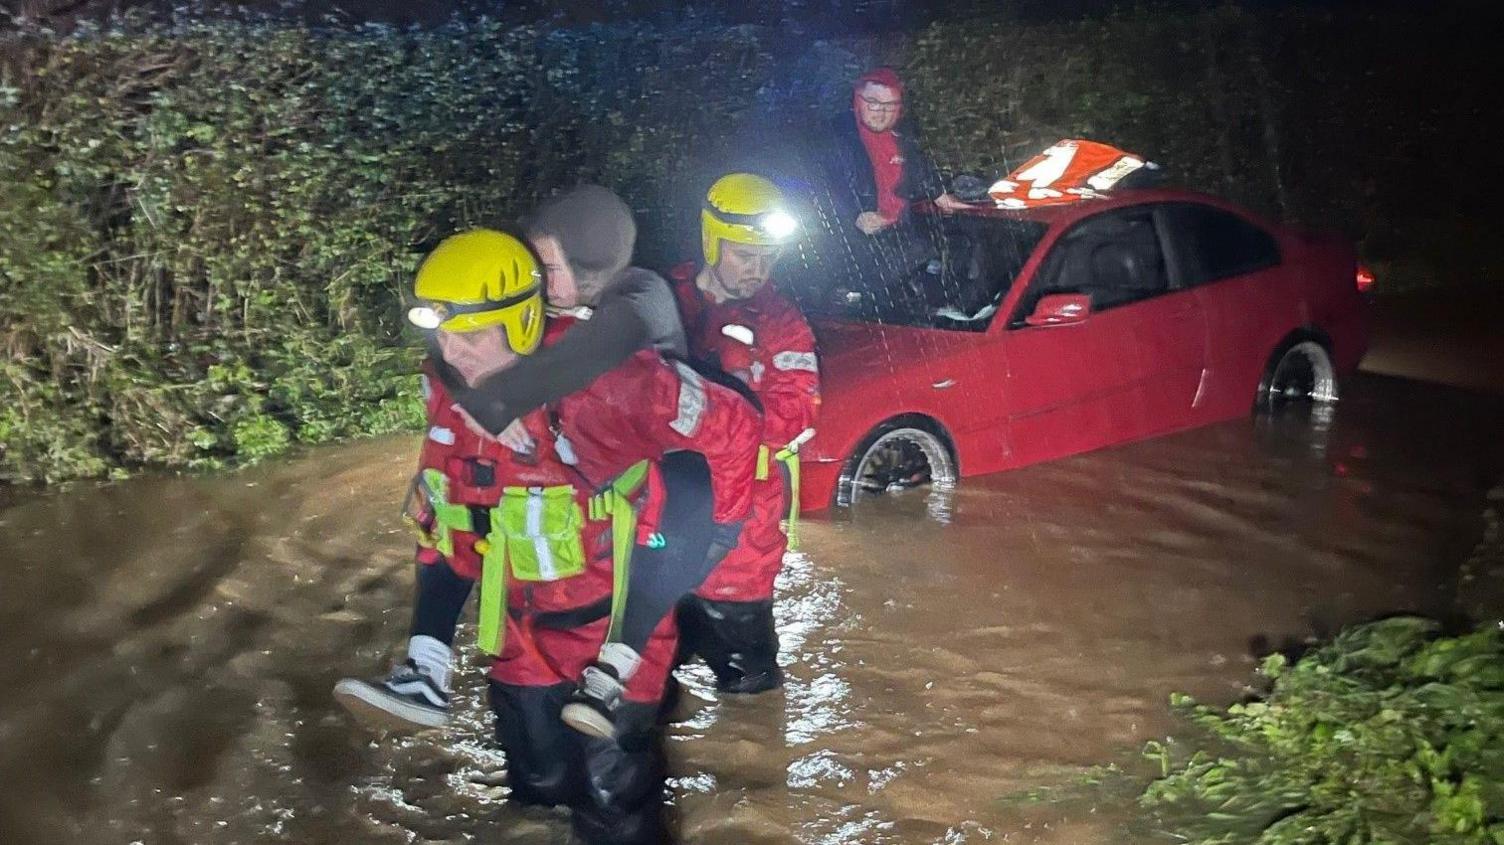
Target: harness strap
point(789, 457)
point(616, 501)
point(791, 461)
point(491, 626)
point(564, 620)
point(447, 518)
point(623, 538)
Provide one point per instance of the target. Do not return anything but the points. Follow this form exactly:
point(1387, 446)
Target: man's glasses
point(881, 105)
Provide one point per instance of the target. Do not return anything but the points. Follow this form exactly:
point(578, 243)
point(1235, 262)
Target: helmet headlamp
point(769, 227)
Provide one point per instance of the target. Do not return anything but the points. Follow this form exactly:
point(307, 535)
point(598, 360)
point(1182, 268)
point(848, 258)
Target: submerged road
point(172, 642)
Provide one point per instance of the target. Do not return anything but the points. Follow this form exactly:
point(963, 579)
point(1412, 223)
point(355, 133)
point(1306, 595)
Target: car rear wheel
point(1303, 373)
point(896, 459)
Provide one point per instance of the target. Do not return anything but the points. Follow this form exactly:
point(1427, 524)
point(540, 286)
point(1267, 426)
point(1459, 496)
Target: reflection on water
point(176, 639)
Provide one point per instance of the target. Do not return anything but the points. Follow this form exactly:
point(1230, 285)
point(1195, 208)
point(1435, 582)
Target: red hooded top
point(882, 147)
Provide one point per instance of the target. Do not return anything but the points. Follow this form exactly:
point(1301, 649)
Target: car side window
point(1214, 244)
point(1115, 258)
point(945, 272)
point(976, 262)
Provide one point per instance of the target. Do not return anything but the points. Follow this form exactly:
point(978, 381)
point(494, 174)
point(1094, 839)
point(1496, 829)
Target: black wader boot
point(735, 638)
point(613, 787)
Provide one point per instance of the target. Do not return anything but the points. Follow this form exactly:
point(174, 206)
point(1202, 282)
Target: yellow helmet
point(478, 279)
point(745, 209)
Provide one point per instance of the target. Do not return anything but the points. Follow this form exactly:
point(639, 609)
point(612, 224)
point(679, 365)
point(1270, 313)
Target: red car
point(993, 338)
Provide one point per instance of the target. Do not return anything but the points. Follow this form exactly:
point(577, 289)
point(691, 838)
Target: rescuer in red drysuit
point(735, 320)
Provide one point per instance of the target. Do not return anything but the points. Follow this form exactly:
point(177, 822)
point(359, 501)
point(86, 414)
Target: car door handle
point(942, 385)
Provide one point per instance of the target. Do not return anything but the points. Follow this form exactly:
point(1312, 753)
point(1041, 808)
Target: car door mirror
point(1060, 309)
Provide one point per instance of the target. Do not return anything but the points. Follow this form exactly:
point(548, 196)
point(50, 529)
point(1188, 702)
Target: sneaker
point(593, 703)
point(405, 700)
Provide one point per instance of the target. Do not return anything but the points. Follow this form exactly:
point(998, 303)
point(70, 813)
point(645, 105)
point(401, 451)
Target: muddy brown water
point(170, 643)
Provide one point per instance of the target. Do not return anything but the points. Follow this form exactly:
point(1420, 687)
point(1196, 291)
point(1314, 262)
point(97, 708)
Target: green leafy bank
point(1391, 733)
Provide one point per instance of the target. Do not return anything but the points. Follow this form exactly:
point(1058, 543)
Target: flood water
point(171, 643)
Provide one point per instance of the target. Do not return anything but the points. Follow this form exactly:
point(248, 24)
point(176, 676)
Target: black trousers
point(693, 545)
point(615, 788)
point(441, 596)
point(736, 639)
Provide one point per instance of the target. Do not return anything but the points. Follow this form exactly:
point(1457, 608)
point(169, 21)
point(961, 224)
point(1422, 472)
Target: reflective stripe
point(796, 361)
point(440, 434)
point(565, 450)
point(547, 569)
point(691, 401)
point(426, 386)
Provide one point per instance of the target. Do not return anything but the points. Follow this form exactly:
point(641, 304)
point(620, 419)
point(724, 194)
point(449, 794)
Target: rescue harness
point(536, 534)
point(532, 534)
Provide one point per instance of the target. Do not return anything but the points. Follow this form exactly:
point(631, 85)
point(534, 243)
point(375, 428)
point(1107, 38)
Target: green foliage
point(1391, 733)
point(209, 229)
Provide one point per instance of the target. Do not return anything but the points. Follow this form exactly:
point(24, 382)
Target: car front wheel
point(896, 459)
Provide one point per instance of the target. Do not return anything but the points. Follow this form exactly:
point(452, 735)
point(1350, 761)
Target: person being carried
point(551, 533)
point(588, 232)
point(735, 320)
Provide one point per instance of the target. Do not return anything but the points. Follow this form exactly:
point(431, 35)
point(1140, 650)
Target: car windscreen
point(943, 272)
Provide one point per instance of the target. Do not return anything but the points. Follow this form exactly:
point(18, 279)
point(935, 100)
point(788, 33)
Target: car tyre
point(896, 458)
point(1301, 372)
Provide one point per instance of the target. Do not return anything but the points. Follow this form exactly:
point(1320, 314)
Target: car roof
point(1070, 211)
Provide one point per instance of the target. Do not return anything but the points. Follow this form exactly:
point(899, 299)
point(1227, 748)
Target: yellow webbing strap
point(492, 622)
point(623, 538)
point(616, 502)
point(433, 486)
point(790, 459)
point(791, 462)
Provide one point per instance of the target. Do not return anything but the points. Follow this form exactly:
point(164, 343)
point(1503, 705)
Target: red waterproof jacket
point(781, 369)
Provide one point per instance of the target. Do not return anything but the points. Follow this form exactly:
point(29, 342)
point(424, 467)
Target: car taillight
point(1365, 279)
